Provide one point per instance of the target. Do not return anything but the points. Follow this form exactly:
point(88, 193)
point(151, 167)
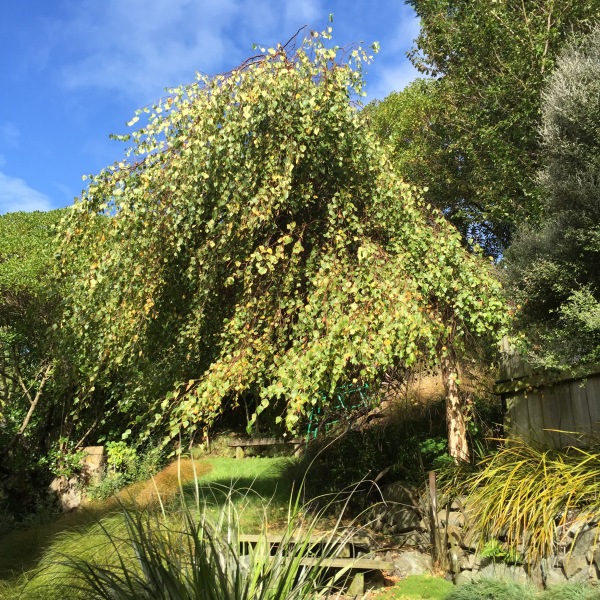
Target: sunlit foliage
point(257, 244)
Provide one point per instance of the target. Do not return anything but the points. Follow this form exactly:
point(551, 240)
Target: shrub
point(402, 447)
point(494, 589)
point(124, 465)
point(576, 591)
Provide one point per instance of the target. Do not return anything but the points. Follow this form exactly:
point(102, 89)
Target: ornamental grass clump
point(524, 493)
point(496, 589)
point(492, 589)
point(192, 550)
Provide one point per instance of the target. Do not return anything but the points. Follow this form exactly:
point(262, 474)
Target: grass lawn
point(250, 483)
point(255, 486)
point(416, 587)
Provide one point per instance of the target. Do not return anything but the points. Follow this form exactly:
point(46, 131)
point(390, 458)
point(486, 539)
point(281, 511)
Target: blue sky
point(74, 71)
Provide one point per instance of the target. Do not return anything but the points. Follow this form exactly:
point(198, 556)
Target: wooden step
point(364, 564)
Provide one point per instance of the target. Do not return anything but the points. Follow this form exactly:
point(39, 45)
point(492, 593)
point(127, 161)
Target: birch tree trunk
point(458, 446)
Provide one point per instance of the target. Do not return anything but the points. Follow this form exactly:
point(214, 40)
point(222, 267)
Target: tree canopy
point(28, 308)
point(490, 61)
point(555, 268)
point(419, 139)
point(29, 391)
point(258, 244)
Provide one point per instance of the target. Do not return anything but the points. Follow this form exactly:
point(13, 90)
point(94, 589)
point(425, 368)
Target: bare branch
point(33, 403)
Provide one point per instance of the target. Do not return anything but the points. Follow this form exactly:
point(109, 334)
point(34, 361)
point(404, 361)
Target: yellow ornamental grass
point(527, 495)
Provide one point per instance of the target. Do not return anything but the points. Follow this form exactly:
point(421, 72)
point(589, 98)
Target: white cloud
point(301, 13)
point(66, 192)
point(406, 31)
point(392, 71)
point(139, 47)
point(136, 48)
point(16, 195)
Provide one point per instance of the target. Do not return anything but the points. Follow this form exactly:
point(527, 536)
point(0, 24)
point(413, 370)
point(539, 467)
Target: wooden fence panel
point(593, 395)
point(555, 409)
point(556, 419)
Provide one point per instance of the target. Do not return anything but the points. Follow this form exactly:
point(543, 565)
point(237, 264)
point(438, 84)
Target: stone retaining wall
point(403, 515)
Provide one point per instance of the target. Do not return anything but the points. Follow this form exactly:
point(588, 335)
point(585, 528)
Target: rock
point(399, 493)
point(584, 541)
point(587, 575)
point(554, 577)
point(394, 518)
point(68, 492)
point(577, 527)
point(452, 518)
point(404, 520)
point(93, 464)
point(468, 562)
point(456, 557)
point(459, 503)
point(412, 538)
point(553, 561)
point(467, 577)
point(411, 563)
point(455, 535)
point(536, 573)
point(470, 540)
point(575, 568)
point(596, 557)
point(503, 571)
point(456, 519)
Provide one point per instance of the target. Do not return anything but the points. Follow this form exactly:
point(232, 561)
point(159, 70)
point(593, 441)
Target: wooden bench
point(240, 443)
point(349, 556)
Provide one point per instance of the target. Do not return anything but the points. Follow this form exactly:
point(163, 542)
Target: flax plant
point(526, 495)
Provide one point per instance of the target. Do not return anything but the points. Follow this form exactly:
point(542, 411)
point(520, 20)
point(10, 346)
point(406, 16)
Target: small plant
point(120, 456)
point(389, 451)
point(63, 459)
point(500, 552)
point(434, 452)
point(124, 465)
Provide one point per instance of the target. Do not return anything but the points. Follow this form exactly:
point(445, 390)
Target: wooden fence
point(553, 408)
